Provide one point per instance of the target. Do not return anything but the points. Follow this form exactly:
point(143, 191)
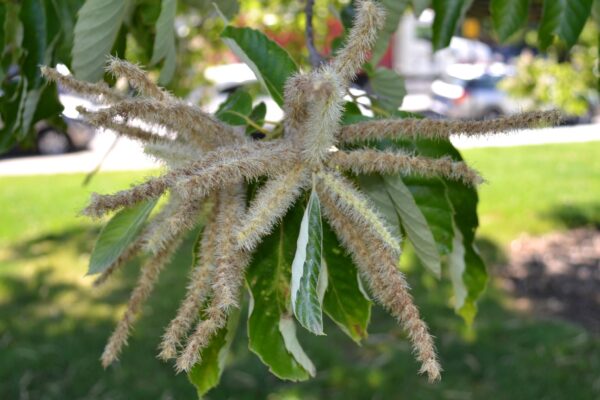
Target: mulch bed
point(557, 274)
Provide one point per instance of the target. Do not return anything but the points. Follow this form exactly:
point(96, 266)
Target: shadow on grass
point(570, 216)
point(52, 331)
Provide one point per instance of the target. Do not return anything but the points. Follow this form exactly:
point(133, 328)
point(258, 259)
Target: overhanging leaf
point(564, 18)
point(33, 18)
point(118, 234)
point(373, 186)
point(271, 64)
point(463, 200)
point(345, 301)
point(448, 13)
point(508, 16)
point(95, 32)
point(206, 374)
point(271, 330)
point(164, 41)
point(430, 197)
point(414, 223)
point(309, 279)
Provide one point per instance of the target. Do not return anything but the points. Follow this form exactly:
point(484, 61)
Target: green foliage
point(117, 235)
point(236, 109)
point(508, 16)
point(271, 331)
point(164, 43)
point(271, 64)
point(569, 84)
point(448, 14)
point(345, 301)
point(98, 24)
point(309, 278)
point(563, 18)
point(205, 375)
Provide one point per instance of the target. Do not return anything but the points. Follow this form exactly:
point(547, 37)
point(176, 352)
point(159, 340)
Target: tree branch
point(313, 55)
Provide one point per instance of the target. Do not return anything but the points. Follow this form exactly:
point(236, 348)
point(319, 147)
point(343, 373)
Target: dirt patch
point(557, 275)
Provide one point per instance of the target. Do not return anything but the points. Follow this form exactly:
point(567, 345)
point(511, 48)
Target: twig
point(315, 58)
point(92, 173)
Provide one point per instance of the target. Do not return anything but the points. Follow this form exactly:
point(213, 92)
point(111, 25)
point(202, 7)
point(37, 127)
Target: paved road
point(128, 155)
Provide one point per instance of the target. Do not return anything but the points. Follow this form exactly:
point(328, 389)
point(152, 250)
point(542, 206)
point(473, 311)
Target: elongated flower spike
point(207, 159)
point(412, 128)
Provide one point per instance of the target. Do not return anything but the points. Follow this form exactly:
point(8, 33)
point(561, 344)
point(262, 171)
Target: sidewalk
point(128, 155)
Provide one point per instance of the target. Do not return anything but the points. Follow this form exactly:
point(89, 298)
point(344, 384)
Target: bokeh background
point(537, 333)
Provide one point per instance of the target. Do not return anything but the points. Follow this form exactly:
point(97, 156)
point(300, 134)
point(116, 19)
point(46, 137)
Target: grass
point(53, 325)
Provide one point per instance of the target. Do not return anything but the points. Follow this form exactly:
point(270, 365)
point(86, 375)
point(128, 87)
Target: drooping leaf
point(508, 16)
point(309, 279)
point(393, 12)
point(374, 186)
point(345, 301)
point(448, 13)
point(96, 29)
point(237, 106)
point(206, 374)
point(388, 87)
point(271, 64)
point(164, 41)
point(118, 234)
point(271, 329)
point(33, 18)
point(414, 223)
point(562, 18)
point(463, 200)
point(430, 197)
point(168, 68)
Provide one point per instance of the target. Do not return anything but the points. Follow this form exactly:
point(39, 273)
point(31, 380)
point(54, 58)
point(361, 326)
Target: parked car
point(470, 92)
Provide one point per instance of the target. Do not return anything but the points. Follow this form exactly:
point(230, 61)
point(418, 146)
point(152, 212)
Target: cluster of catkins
point(208, 164)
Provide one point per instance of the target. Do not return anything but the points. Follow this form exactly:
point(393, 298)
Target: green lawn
point(53, 325)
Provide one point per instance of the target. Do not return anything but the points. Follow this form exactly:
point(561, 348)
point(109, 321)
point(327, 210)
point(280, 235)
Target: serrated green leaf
point(237, 106)
point(414, 223)
point(271, 331)
point(508, 16)
point(448, 14)
point(118, 234)
point(562, 18)
point(271, 64)
point(309, 279)
point(393, 12)
point(345, 301)
point(206, 374)
point(388, 87)
point(97, 26)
